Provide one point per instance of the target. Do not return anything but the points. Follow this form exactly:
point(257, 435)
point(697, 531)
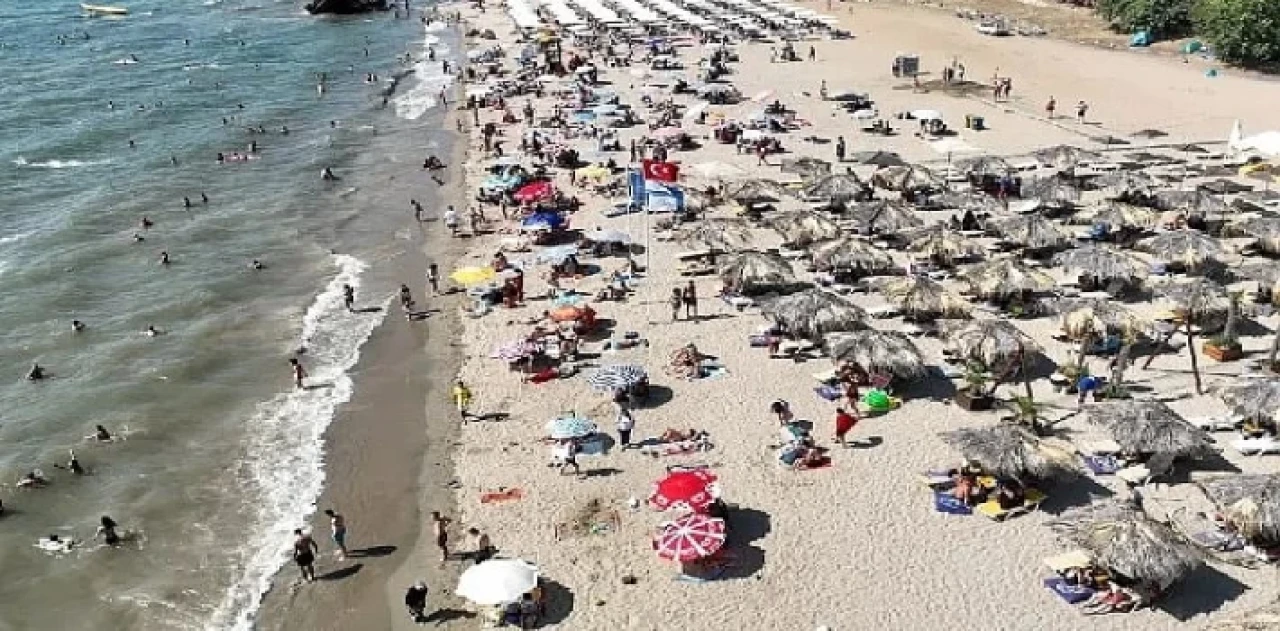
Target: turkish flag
point(661, 171)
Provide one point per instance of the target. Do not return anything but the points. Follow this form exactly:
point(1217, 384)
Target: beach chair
point(1141, 474)
point(1219, 423)
point(1256, 446)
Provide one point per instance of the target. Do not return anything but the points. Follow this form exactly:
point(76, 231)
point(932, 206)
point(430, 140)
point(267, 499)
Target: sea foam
point(283, 469)
point(425, 94)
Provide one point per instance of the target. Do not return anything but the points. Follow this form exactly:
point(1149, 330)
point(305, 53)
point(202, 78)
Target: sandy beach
point(853, 545)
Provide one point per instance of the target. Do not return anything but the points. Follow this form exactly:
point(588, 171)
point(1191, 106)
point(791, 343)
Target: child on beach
point(462, 399)
point(844, 424)
point(677, 299)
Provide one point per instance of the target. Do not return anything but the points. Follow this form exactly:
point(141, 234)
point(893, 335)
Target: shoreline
point(389, 442)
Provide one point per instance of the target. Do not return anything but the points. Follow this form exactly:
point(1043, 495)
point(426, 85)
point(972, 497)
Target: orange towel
point(501, 496)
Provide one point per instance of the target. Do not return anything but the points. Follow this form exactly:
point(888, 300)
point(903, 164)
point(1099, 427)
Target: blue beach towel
point(829, 393)
point(1102, 465)
point(945, 503)
point(1071, 593)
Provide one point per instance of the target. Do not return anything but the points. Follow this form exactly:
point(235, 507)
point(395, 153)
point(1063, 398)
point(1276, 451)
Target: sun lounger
point(992, 509)
point(1073, 594)
point(1256, 446)
point(1141, 474)
point(1221, 423)
point(937, 479)
point(738, 302)
point(882, 311)
point(1102, 464)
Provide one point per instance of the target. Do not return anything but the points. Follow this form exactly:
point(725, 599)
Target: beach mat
point(829, 393)
point(1071, 593)
point(508, 495)
point(945, 503)
point(1102, 465)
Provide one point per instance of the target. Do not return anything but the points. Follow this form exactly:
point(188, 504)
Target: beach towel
point(946, 503)
point(1071, 593)
point(544, 375)
point(1102, 465)
point(829, 393)
point(824, 463)
point(501, 496)
point(1218, 540)
point(760, 341)
point(712, 370)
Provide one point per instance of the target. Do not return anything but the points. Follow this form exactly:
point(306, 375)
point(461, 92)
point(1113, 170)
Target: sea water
point(218, 458)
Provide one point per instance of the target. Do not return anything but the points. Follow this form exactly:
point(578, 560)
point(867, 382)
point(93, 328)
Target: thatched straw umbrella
point(1254, 399)
point(806, 167)
point(1196, 202)
point(920, 298)
point(752, 272)
point(1065, 156)
point(1009, 451)
point(1197, 299)
point(1250, 502)
point(1052, 191)
point(942, 244)
point(1004, 277)
point(877, 352)
point(1103, 263)
point(1088, 318)
point(981, 166)
point(813, 313)
point(837, 188)
point(804, 227)
point(908, 178)
point(885, 216)
point(755, 191)
point(1191, 248)
point(989, 342)
point(1127, 184)
point(971, 201)
point(1118, 215)
point(719, 233)
point(1149, 427)
point(1264, 230)
point(1123, 539)
point(850, 254)
point(1266, 618)
point(1036, 232)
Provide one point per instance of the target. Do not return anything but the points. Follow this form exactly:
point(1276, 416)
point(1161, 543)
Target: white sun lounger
point(1256, 446)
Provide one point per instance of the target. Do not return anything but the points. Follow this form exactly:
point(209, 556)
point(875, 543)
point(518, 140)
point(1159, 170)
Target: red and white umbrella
point(689, 538)
point(686, 490)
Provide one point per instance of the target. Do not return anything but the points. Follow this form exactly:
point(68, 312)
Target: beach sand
point(853, 546)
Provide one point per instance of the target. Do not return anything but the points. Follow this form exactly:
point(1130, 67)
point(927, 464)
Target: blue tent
point(542, 221)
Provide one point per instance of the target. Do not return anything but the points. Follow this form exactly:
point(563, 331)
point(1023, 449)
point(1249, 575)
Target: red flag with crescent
point(661, 171)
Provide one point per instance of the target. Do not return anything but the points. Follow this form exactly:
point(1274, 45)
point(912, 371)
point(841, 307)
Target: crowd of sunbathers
point(972, 486)
point(1109, 594)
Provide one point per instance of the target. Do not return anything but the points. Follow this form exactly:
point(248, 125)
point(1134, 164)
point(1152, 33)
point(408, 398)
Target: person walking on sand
point(440, 527)
point(1082, 109)
point(840, 148)
point(677, 299)
point(451, 220)
point(1050, 107)
point(349, 297)
point(304, 554)
point(484, 549)
point(567, 453)
point(299, 373)
point(844, 424)
point(417, 209)
point(623, 418)
point(690, 298)
point(462, 399)
point(338, 529)
point(433, 278)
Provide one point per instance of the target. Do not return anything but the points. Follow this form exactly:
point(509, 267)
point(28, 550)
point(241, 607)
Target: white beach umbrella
point(498, 581)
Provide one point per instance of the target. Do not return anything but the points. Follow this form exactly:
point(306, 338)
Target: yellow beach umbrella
point(594, 172)
point(472, 275)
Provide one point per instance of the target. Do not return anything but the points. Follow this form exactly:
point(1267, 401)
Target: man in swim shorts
point(440, 525)
point(338, 526)
point(304, 554)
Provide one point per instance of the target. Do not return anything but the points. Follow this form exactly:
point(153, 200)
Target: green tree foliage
point(1164, 18)
point(1244, 32)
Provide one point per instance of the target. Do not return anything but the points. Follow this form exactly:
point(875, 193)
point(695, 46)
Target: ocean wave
point(415, 102)
point(283, 469)
point(14, 238)
point(56, 164)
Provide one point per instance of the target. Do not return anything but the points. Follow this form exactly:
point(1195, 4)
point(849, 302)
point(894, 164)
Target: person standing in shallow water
point(304, 554)
point(299, 373)
point(338, 527)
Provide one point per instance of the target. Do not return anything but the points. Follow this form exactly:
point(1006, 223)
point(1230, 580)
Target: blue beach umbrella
point(542, 221)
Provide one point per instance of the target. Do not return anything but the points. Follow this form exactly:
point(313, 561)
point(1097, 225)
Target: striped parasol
point(514, 351)
point(690, 538)
point(570, 426)
point(616, 377)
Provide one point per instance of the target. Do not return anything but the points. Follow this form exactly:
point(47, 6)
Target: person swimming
point(164, 257)
point(204, 199)
point(327, 175)
point(151, 331)
point(147, 223)
point(77, 326)
point(107, 529)
point(186, 202)
point(73, 465)
point(256, 264)
point(36, 373)
point(32, 480)
point(102, 435)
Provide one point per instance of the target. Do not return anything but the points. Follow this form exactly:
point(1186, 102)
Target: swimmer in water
point(32, 480)
point(77, 326)
point(102, 435)
point(151, 331)
point(132, 145)
point(221, 158)
point(164, 257)
point(299, 373)
point(349, 297)
point(256, 264)
point(146, 223)
point(73, 465)
point(204, 199)
point(284, 130)
point(173, 160)
point(327, 175)
point(137, 238)
point(107, 530)
point(186, 202)
point(36, 373)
